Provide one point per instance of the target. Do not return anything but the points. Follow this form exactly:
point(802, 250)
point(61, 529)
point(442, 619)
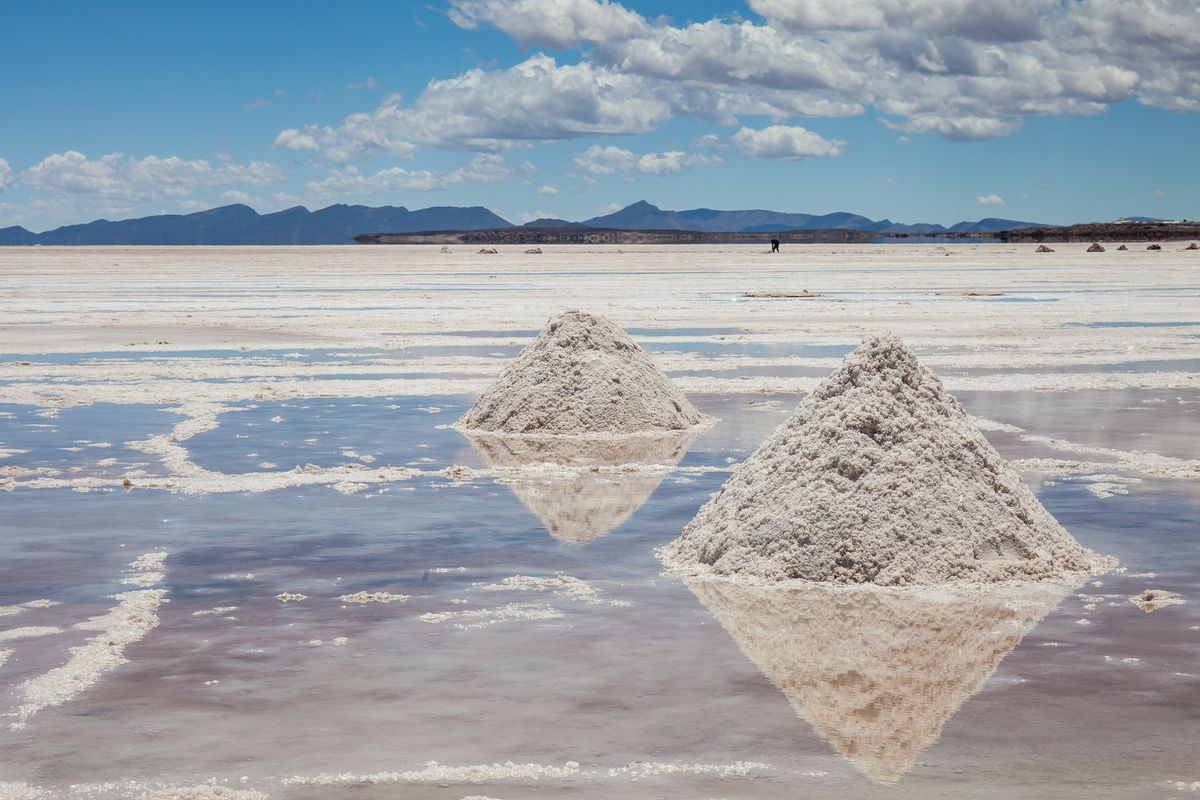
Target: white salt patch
point(267, 465)
point(276, 419)
point(212, 612)
point(646, 769)
point(128, 622)
point(349, 487)
point(27, 633)
point(879, 477)
point(203, 792)
point(290, 597)
point(4, 656)
point(8, 611)
point(582, 375)
point(44, 603)
point(1151, 464)
point(565, 586)
point(1154, 599)
point(443, 570)
point(150, 562)
point(1128, 661)
point(362, 598)
point(985, 424)
point(490, 616)
point(341, 641)
point(434, 772)
point(143, 579)
point(10, 790)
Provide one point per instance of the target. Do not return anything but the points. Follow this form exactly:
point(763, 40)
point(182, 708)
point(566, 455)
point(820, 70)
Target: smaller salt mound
point(879, 477)
point(582, 375)
point(1096, 248)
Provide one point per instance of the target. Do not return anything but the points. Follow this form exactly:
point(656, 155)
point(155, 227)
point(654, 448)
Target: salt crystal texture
point(582, 375)
point(879, 477)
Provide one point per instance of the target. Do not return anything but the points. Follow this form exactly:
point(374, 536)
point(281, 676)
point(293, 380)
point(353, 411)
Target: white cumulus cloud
point(6, 175)
point(555, 23)
point(121, 178)
point(961, 69)
point(350, 181)
point(990, 200)
point(785, 142)
point(597, 160)
point(535, 100)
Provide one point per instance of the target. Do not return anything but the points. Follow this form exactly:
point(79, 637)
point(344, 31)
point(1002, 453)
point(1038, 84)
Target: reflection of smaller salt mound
point(876, 671)
point(582, 487)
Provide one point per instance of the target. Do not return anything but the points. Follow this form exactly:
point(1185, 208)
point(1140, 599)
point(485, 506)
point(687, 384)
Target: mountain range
point(644, 216)
point(339, 224)
point(241, 224)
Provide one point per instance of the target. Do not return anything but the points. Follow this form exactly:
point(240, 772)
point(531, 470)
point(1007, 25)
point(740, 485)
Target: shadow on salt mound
point(877, 672)
point(582, 488)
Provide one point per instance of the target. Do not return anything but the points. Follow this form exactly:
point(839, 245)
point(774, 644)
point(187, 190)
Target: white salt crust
point(483, 617)
point(30, 632)
point(362, 598)
point(203, 792)
point(510, 772)
point(564, 586)
point(127, 623)
point(582, 375)
point(1154, 599)
point(879, 477)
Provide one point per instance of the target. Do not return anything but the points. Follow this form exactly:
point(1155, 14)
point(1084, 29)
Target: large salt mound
point(879, 477)
point(582, 375)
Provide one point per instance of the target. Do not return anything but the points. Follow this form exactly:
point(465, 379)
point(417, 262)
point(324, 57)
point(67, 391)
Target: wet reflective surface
point(651, 687)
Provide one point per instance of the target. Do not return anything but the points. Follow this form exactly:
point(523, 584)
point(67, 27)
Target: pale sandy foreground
point(243, 555)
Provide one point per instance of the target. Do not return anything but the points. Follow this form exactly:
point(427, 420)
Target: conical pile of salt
point(879, 477)
point(582, 375)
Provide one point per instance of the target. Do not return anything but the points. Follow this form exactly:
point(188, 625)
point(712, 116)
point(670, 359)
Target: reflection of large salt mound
point(582, 488)
point(582, 375)
point(876, 671)
point(879, 477)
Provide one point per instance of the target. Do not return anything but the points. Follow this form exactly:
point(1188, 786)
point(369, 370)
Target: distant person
point(774, 245)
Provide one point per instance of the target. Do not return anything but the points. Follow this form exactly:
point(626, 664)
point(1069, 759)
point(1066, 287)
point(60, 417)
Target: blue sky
point(915, 110)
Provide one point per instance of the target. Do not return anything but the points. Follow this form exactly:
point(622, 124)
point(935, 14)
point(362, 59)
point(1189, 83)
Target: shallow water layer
point(651, 687)
point(358, 601)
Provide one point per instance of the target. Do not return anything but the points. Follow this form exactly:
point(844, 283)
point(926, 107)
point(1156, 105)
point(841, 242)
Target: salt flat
point(271, 424)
